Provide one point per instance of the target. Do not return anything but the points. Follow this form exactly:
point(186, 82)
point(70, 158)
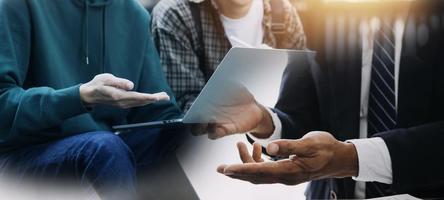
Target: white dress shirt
point(373, 154)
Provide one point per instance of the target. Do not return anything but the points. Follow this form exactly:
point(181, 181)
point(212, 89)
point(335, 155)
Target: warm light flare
point(364, 1)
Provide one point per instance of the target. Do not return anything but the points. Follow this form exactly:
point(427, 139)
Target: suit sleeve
point(27, 111)
point(297, 106)
point(417, 153)
point(417, 157)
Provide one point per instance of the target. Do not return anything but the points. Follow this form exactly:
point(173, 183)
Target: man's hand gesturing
point(110, 90)
point(315, 156)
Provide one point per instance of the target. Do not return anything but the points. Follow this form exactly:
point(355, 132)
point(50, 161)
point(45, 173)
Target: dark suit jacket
point(326, 96)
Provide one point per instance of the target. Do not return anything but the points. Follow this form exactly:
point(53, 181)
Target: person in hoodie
point(69, 70)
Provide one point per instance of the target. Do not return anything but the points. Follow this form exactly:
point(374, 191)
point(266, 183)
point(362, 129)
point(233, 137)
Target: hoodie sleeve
point(24, 111)
point(152, 80)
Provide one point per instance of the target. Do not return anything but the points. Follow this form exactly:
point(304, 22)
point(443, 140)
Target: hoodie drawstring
point(88, 4)
point(86, 31)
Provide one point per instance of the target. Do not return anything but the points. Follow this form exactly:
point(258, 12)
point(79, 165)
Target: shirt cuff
point(277, 133)
point(374, 160)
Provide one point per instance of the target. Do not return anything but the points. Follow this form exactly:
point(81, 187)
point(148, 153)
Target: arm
point(24, 111)
point(297, 109)
point(415, 153)
point(417, 156)
point(178, 58)
point(297, 106)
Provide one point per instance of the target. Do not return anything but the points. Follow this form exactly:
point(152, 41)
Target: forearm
point(24, 111)
point(409, 159)
point(27, 111)
point(416, 156)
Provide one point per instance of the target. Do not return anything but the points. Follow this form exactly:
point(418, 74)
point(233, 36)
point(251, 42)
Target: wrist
point(265, 128)
point(350, 160)
point(84, 96)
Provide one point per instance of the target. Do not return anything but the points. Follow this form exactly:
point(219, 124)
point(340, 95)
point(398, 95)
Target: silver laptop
point(256, 70)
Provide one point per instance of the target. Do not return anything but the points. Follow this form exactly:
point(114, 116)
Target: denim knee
point(108, 163)
point(105, 146)
point(107, 160)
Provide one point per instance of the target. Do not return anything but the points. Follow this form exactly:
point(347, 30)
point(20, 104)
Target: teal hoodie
point(49, 47)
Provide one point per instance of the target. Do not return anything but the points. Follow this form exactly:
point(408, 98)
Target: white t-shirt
point(247, 29)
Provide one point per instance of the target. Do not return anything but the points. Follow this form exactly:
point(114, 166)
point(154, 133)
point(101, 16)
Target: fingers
point(162, 96)
point(216, 131)
point(255, 179)
point(257, 152)
point(144, 97)
point(242, 95)
point(137, 97)
point(111, 80)
point(199, 129)
point(110, 90)
point(287, 147)
point(284, 171)
point(221, 168)
point(243, 153)
point(248, 169)
point(245, 156)
point(129, 99)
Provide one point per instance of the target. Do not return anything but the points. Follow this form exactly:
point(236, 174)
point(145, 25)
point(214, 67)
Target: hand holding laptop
point(240, 115)
point(110, 90)
point(226, 104)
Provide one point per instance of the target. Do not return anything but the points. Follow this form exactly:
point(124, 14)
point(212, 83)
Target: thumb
point(288, 147)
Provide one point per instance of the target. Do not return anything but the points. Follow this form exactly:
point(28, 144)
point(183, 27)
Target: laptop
point(255, 69)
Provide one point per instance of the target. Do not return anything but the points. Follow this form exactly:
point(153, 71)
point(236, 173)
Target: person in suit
point(391, 94)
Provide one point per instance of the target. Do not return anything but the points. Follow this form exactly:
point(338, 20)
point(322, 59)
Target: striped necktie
point(382, 113)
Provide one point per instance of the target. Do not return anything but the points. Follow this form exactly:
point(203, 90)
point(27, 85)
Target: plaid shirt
point(176, 37)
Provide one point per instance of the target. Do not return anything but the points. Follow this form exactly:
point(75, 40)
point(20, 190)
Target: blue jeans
point(102, 159)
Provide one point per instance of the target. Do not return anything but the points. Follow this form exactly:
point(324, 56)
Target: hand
point(316, 156)
point(110, 90)
point(242, 115)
